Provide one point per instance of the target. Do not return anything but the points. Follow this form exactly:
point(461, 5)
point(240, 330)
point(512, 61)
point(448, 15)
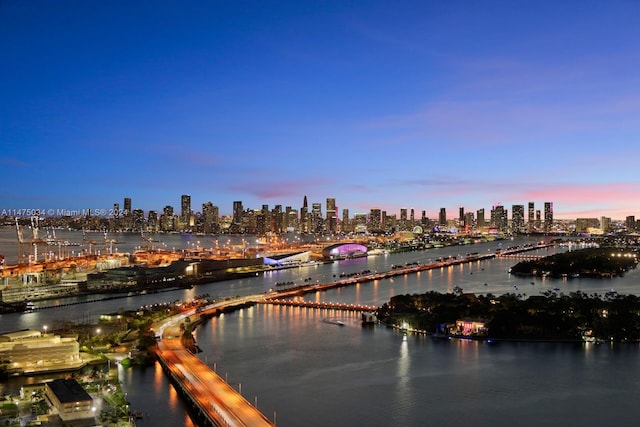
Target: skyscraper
point(304, 221)
point(499, 218)
point(548, 216)
point(237, 212)
point(442, 218)
point(517, 218)
point(332, 218)
point(531, 217)
point(375, 220)
point(185, 211)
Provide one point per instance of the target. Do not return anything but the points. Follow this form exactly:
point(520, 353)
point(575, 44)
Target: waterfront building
point(344, 250)
point(605, 224)
point(30, 351)
point(70, 400)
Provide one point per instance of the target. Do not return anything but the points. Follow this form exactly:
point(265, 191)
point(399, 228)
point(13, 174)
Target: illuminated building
point(71, 401)
point(344, 250)
point(531, 217)
point(316, 218)
point(185, 211)
point(499, 218)
point(442, 218)
point(30, 351)
point(332, 218)
point(375, 220)
point(548, 216)
point(304, 220)
point(517, 218)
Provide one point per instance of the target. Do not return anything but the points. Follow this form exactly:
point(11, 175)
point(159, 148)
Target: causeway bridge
point(320, 305)
point(213, 401)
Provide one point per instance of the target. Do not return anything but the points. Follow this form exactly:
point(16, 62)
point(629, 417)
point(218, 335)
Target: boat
point(334, 322)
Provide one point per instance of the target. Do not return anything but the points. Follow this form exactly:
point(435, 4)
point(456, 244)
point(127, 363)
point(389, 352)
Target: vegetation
point(590, 262)
point(550, 316)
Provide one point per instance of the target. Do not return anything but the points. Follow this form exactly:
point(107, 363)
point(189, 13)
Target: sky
point(386, 104)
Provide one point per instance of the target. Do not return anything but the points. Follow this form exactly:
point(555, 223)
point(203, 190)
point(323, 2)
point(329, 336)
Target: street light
point(45, 329)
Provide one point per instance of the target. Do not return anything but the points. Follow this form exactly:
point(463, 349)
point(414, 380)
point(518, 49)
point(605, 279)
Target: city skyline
point(390, 105)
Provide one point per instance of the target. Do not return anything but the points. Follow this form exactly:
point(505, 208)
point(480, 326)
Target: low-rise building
point(71, 401)
point(30, 351)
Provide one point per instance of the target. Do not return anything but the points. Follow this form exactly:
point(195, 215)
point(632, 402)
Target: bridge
point(213, 401)
point(521, 256)
point(320, 305)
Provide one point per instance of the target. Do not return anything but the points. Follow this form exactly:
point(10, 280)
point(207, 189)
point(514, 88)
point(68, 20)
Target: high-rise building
point(499, 218)
point(630, 223)
point(167, 220)
point(238, 211)
point(317, 225)
point(138, 219)
point(345, 226)
point(375, 221)
point(208, 220)
point(276, 219)
point(403, 224)
point(517, 218)
point(127, 206)
point(548, 216)
point(531, 217)
point(480, 220)
point(185, 211)
point(127, 222)
point(152, 222)
point(461, 215)
point(332, 218)
point(442, 217)
point(304, 220)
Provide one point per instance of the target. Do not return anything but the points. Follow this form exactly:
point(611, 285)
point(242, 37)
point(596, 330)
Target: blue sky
point(390, 104)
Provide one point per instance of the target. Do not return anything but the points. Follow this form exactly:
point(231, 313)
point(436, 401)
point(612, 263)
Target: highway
point(221, 403)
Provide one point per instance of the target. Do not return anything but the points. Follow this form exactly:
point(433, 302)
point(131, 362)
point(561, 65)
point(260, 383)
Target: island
point(550, 316)
point(588, 262)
